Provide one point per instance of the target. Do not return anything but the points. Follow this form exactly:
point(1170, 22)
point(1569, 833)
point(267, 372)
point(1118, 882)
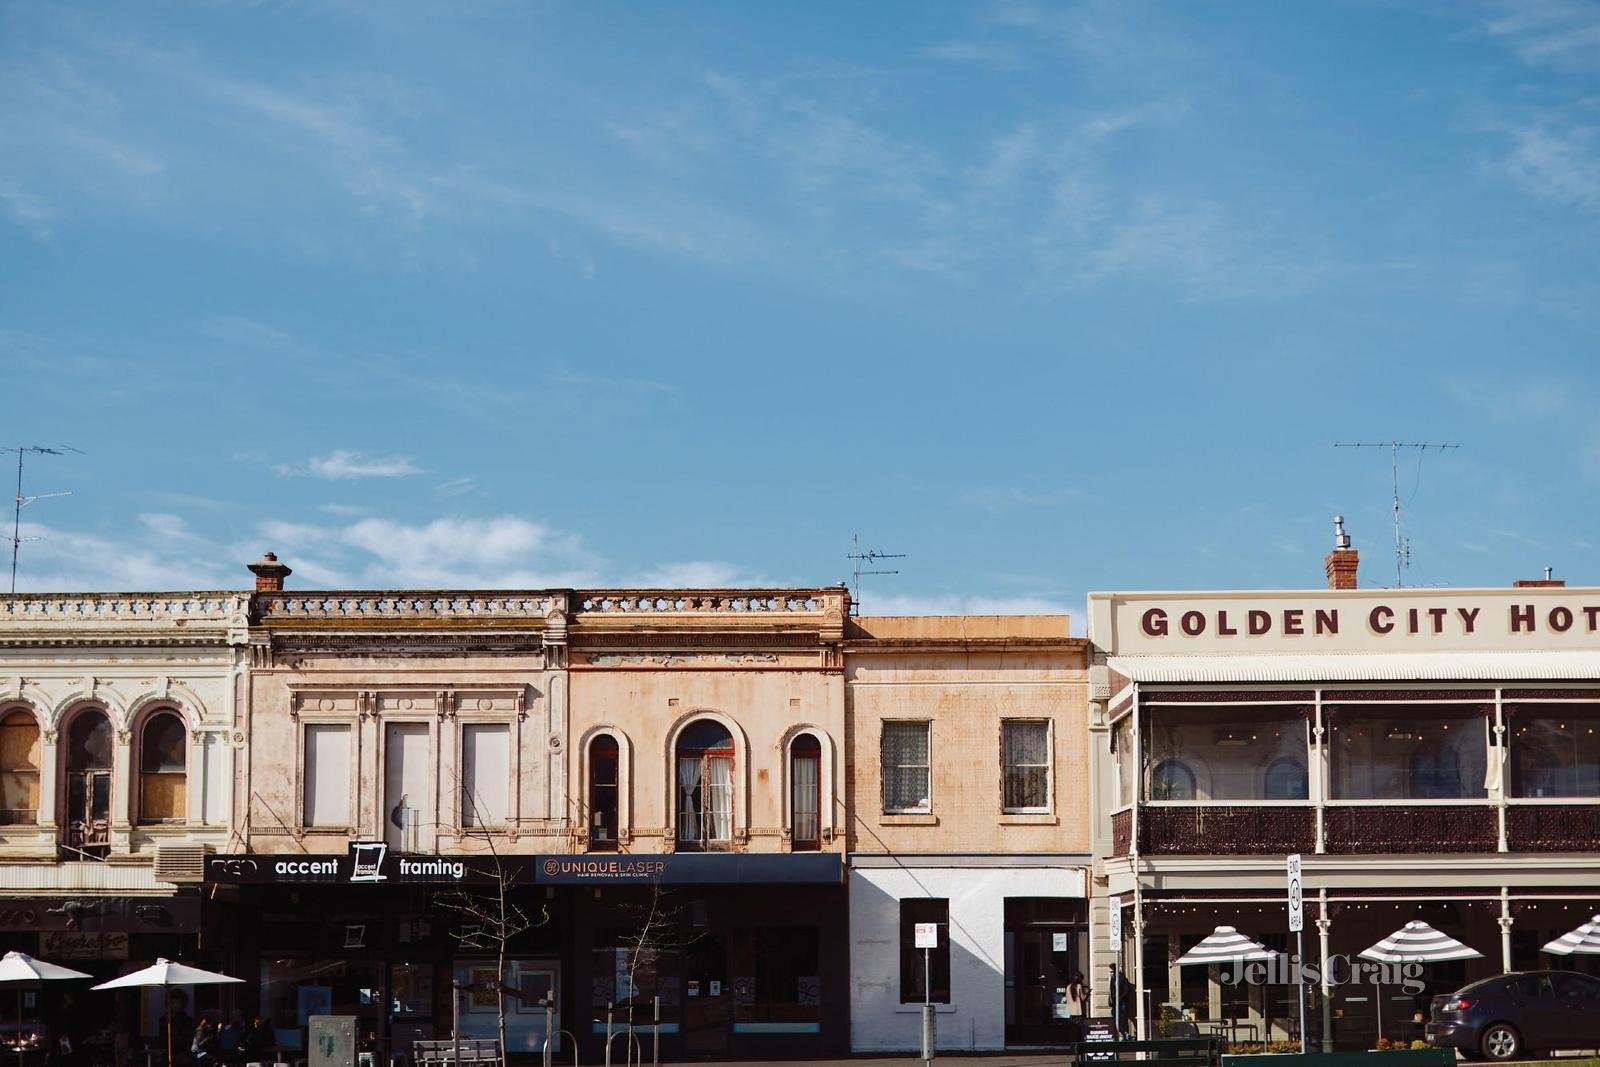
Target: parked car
point(1510, 1015)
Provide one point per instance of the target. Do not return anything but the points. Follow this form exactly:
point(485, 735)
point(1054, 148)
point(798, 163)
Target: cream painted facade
point(1013, 883)
point(401, 680)
point(1462, 846)
point(134, 658)
point(764, 667)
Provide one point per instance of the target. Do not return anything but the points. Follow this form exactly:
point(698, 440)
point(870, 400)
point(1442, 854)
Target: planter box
point(1410, 1057)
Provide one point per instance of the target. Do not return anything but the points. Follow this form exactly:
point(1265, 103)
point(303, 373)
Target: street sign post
point(927, 939)
point(1297, 925)
point(1115, 924)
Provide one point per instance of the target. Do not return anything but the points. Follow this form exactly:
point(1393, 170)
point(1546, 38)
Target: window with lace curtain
point(905, 767)
point(1025, 761)
point(705, 787)
point(805, 793)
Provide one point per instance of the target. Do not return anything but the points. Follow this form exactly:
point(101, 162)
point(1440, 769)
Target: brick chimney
point(1342, 562)
point(1547, 582)
point(269, 574)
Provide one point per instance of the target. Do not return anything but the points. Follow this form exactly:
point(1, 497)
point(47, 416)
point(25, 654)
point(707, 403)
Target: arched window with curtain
point(163, 769)
point(19, 769)
point(1285, 779)
point(88, 792)
point(704, 759)
point(1172, 780)
point(605, 765)
point(805, 793)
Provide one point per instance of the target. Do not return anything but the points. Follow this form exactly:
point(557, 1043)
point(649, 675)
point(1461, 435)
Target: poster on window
point(480, 989)
point(809, 989)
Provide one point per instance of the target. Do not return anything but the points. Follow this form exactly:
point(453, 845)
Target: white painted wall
point(975, 1018)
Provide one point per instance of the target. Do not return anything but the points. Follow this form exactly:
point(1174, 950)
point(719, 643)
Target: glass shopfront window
point(1408, 752)
point(1555, 750)
point(784, 992)
point(528, 984)
point(293, 990)
point(1226, 754)
point(631, 976)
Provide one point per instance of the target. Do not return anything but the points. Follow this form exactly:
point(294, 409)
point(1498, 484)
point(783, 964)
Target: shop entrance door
point(1045, 943)
point(707, 999)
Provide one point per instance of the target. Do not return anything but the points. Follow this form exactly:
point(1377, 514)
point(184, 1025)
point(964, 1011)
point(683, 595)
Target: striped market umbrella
point(1416, 942)
point(1584, 941)
point(1226, 945)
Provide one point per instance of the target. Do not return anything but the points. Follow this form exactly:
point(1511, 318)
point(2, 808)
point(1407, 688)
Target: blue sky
point(1049, 297)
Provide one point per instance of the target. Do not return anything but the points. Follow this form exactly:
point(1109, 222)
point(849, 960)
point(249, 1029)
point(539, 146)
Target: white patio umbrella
point(165, 973)
point(19, 967)
point(1226, 945)
point(1584, 941)
point(1416, 942)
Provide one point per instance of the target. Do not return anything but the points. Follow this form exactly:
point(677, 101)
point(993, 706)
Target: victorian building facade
point(651, 776)
point(120, 739)
point(968, 799)
point(1431, 754)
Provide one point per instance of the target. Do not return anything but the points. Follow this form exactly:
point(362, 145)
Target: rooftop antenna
point(865, 559)
point(1402, 544)
point(22, 501)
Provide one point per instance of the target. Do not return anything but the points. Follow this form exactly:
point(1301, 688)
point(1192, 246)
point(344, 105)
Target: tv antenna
point(867, 559)
point(22, 501)
point(1402, 544)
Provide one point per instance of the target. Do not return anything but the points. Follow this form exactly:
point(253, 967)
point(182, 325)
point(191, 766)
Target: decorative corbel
point(124, 736)
point(50, 735)
point(522, 703)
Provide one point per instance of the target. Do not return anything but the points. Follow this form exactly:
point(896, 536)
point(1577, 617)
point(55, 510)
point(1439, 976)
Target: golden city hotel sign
point(1387, 620)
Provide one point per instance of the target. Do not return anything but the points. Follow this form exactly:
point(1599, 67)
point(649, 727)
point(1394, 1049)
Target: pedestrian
point(1125, 1002)
point(258, 1040)
point(203, 1046)
point(230, 1042)
point(1077, 1006)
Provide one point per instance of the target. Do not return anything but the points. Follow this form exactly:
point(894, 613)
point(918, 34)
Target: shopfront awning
point(1364, 667)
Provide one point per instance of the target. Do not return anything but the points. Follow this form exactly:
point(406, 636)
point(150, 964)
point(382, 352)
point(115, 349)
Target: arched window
point(1286, 780)
point(19, 769)
point(605, 765)
point(1435, 770)
point(88, 821)
point(705, 786)
point(163, 769)
point(805, 793)
point(1172, 780)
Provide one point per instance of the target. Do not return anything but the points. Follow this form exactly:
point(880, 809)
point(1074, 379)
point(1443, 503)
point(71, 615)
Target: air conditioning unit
point(181, 863)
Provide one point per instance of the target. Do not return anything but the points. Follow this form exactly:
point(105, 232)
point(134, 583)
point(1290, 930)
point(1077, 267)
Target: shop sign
point(66, 945)
point(1389, 621)
point(367, 863)
point(698, 868)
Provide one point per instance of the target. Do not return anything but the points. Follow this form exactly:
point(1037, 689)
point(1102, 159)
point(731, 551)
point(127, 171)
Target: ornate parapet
point(1400, 828)
point(1553, 827)
point(1242, 830)
point(412, 606)
point(98, 618)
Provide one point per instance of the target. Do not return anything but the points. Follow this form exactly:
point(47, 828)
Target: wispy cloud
point(1556, 162)
point(898, 604)
point(999, 498)
point(455, 487)
point(1001, 55)
point(1560, 33)
point(340, 465)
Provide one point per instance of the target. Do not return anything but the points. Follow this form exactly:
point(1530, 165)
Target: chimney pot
point(1343, 562)
point(269, 573)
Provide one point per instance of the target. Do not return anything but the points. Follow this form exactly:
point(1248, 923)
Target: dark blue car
point(1511, 1015)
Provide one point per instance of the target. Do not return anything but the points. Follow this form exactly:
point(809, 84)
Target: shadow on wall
point(974, 1020)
